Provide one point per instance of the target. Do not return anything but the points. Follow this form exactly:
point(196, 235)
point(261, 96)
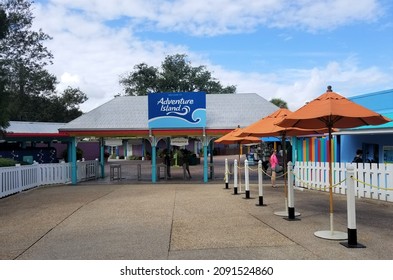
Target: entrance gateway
point(176, 111)
point(171, 115)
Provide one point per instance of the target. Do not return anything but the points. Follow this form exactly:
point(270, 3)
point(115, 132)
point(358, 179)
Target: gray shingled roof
point(223, 111)
point(34, 127)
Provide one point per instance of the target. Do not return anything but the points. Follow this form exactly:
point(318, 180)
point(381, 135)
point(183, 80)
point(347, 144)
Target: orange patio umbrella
point(231, 138)
point(330, 111)
point(267, 126)
point(234, 138)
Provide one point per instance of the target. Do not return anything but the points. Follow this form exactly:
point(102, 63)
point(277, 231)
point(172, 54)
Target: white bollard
point(246, 179)
point(226, 173)
point(235, 177)
point(291, 193)
point(260, 183)
point(351, 211)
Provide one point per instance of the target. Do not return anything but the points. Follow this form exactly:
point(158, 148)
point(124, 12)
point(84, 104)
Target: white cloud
point(68, 79)
point(91, 55)
point(210, 18)
point(298, 86)
point(94, 53)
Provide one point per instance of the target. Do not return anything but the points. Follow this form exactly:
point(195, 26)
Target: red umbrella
point(330, 111)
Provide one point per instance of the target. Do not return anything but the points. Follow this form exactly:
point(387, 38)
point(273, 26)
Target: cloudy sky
point(277, 48)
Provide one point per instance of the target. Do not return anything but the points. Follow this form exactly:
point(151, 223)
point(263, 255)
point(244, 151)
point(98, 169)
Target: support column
point(205, 159)
point(69, 151)
point(125, 145)
point(74, 174)
point(153, 141)
point(102, 157)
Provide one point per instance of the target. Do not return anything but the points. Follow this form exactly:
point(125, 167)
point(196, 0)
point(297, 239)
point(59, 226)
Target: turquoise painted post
point(294, 148)
point(74, 174)
point(69, 152)
point(205, 162)
point(153, 160)
point(125, 144)
point(299, 152)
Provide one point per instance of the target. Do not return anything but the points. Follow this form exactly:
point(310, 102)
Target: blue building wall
point(351, 143)
point(381, 102)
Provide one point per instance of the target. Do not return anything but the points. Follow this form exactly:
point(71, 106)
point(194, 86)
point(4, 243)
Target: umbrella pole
point(331, 234)
point(240, 170)
point(330, 181)
point(283, 144)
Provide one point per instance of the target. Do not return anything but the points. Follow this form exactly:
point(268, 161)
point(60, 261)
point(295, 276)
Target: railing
point(88, 170)
point(19, 178)
point(372, 180)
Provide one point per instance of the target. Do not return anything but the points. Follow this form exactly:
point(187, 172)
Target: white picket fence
point(372, 180)
point(19, 178)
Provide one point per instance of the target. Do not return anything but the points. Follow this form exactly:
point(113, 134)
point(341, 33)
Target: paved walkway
point(182, 221)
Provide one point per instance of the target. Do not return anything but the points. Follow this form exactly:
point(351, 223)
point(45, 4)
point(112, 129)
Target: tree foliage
point(23, 52)
point(279, 103)
point(3, 23)
point(176, 74)
point(54, 108)
point(3, 94)
point(28, 89)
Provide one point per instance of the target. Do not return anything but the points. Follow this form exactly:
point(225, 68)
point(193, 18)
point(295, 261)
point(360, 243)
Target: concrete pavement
point(182, 221)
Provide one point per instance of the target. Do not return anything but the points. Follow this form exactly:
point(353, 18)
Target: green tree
point(30, 90)
point(3, 94)
point(55, 108)
point(176, 74)
point(24, 58)
point(279, 103)
point(141, 81)
point(3, 23)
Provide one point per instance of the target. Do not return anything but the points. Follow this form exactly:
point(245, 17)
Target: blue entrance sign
point(177, 110)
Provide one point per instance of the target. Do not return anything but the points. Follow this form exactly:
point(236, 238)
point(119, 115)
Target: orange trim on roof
point(34, 134)
point(146, 132)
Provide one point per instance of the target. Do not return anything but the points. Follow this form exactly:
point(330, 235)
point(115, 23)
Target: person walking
point(186, 162)
point(273, 163)
point(167, 161)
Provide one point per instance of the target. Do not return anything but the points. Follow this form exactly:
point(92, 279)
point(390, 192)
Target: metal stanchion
point(285, 212)
point(351, 211)
point(235, 177)
point(226, 173)
point(260, 184)
point(291, 195)
point(246, 180)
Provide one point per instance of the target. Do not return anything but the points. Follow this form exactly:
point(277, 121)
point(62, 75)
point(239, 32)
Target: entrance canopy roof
point(128, 116)
point(35, 131)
